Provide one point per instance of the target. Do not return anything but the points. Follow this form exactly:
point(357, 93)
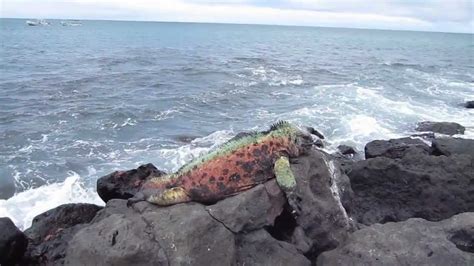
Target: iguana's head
point(299, 141)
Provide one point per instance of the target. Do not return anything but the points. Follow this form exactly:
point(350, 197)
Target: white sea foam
point(24, 206)
point(166, 114)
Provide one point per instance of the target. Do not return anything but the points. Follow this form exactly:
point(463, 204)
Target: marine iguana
point(243, 162)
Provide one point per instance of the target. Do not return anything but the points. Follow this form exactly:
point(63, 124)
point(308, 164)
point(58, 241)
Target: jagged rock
point(183, 234)
point(250, 210)
point(469, 104)
point(395, 148)
point(418, 185)
point(51, 231)
point(447, 128)
point(449, 146)
point(324, 200)
point(413, 242)
point(124, 184)
point(259, 248)
point(12, 243)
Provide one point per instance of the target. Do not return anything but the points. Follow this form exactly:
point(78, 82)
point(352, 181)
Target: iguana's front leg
point(286, 180)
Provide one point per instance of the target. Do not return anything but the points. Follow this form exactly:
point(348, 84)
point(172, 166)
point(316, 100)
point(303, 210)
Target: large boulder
point(51, 231)
point(124, 184)
point(12, 243)
point(183, 234)
point(323, 200)
point(252, 210)
point(418, 185)
point(450, 146)
point(413, 242)
point(446, 128)
point(395, 148)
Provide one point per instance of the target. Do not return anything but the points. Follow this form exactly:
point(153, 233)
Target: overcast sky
point(425, 15)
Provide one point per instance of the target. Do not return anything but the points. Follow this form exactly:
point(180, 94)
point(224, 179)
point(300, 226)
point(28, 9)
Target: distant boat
point(37, 22)
point(71, 23)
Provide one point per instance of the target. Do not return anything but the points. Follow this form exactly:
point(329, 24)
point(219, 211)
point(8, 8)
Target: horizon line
point(243, 24)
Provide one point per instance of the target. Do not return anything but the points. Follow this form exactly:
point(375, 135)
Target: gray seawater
point(77, 103)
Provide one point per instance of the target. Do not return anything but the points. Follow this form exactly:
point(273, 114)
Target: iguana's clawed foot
point(137, 198)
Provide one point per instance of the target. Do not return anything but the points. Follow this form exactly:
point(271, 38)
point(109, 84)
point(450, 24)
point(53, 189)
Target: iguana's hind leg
point(286, 180)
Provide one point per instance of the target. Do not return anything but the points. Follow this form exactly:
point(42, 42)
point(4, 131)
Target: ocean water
point(77, 103)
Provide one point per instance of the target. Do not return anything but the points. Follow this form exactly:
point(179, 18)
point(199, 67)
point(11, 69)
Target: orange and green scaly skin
point(238, 165)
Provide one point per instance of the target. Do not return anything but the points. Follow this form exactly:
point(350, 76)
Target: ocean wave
point(268, 76)
point(167, 114)
point(24, 206)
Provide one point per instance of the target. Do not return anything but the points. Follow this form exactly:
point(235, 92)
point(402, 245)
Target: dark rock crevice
point(284, 226)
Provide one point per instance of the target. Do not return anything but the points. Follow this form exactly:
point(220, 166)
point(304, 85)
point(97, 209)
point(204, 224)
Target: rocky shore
point(409, 202)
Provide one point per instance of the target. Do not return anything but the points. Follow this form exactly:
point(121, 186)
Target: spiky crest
point(279, 125)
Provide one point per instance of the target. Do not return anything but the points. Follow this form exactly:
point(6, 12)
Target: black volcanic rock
point(324, 194)
point(346, 150)
point(395, 148)
point(469, 104)
point(252, 210)
point(124, 184)
point(413, 242)
point(51, 231)
point(418, 185)
point(175, 235)
point(449, 146)
point(447, 128)
point(12, 243)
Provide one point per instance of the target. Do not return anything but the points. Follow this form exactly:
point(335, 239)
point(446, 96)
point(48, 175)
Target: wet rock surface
point(446, 128)
point(395, 148)
point(413, 242)
point(124, 184)
point(12, 243)
point(347, 150)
